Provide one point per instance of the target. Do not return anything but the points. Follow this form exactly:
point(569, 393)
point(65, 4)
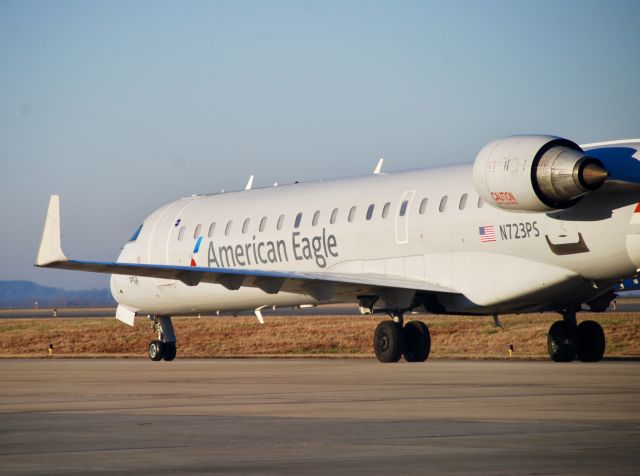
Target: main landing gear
point(392, 340)
point(164, 347)
point(568, 340)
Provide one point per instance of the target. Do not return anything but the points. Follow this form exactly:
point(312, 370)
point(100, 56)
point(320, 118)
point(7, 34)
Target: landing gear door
point(402, 217)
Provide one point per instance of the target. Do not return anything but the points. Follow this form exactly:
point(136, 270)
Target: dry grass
point(351, 336)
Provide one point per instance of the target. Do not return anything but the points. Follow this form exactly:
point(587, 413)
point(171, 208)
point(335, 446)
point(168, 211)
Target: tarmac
point(318, 417)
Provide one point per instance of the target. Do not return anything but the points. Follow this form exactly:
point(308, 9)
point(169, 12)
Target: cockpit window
point(135, 235)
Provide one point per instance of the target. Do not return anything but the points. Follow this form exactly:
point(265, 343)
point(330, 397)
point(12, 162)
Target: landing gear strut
point(391, 340)
point(164, 347)
point(567, 340)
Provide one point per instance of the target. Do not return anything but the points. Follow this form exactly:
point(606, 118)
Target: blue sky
point(122, 106)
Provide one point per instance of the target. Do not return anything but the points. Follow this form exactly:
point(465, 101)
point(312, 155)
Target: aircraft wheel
point(559, 343)
point(168, 351)
point(417, 341)
point(155, 350)
point(591, 341)
point(387, 341)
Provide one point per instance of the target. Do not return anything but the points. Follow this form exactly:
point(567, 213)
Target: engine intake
point(535, 173)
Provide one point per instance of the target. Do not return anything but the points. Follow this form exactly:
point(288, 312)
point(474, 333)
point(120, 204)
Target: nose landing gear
point(164, 347)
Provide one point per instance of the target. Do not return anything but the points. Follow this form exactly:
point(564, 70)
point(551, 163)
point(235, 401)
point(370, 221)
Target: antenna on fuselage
point(378, 168)
point(249, 183)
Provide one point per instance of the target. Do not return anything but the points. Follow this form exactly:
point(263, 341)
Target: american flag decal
point(487, 233)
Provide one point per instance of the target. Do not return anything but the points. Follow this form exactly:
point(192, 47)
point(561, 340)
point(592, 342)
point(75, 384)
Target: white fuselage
point(495, 260)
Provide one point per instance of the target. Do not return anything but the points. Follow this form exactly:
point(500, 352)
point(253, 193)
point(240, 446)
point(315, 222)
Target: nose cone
point(593, 174)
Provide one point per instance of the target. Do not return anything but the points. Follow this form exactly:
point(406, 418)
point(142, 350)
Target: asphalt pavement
point(318, 417)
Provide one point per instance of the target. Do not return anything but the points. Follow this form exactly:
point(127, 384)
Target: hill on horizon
point(25, 294)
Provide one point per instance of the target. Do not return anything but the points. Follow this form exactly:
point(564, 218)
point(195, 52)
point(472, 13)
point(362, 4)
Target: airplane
point(536, 223)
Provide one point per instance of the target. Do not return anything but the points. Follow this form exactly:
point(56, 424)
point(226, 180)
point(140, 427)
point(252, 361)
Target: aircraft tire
point(591, 341)
point(168, 351)
point(155, 350)
point(417, 341)
point(388, 341)
point(559, 343)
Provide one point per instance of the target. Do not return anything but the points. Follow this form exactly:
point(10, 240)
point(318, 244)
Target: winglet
point(378, 168)
point(50, 249)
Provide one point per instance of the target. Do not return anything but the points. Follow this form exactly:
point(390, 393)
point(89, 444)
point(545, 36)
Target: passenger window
point(370, 211)
point(463, 201)
point(334, 216)
point(181, 233)
point(443, 204)
point(403, 208)
point(227, 229)
point(480, 202)
point(352, 214)
point(196, 232)
point(423, 206)
point(263, 223)
point(280, 222)
point(296, 223)
point(135, 235)
point(212, 227)
point(385, 209)
point(245, 226)
point(316, 217)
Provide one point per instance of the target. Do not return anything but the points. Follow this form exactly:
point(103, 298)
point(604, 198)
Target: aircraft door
point(402, 217)
point(165, 227)
point(179, 237)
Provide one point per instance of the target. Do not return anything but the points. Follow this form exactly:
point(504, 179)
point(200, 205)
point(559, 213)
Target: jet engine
point(535, 173)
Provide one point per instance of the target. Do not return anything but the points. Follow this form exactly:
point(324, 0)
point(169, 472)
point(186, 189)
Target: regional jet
point(536, 223)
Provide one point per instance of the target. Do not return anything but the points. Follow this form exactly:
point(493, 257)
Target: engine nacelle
point(535, 173)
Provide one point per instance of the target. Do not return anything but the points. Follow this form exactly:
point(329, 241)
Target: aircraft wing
point(320, 285)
